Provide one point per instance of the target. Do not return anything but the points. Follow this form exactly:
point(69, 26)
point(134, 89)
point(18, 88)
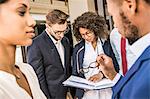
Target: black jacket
point(45, 59)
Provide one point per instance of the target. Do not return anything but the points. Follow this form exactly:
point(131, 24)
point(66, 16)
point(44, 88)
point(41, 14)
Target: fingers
point(96, 78)
point(106, 65)
point(100, 59)
point(103, 59)
point(93, 79)
point(97, 64)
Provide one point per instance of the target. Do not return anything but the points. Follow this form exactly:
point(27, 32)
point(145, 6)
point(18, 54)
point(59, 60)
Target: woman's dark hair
point(3, 1)
point(56, 16)
point(92, 22)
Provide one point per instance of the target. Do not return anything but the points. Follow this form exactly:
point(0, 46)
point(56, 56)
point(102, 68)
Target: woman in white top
point(17, 81)
point(92, 32)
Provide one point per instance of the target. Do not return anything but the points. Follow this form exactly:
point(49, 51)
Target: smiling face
point(16, 24)
point(122, 21)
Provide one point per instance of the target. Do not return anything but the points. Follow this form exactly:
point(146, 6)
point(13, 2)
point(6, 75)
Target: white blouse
point(9, 89)
point(90, 55)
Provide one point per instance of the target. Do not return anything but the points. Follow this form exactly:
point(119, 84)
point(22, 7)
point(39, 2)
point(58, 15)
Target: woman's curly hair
point(92, 22)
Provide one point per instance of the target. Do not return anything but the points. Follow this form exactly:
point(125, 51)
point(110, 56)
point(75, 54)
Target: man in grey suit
point(49, 55)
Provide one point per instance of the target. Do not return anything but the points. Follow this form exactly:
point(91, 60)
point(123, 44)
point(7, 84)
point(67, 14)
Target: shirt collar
point(54, 41)
point(90, 42)
point(140, 45)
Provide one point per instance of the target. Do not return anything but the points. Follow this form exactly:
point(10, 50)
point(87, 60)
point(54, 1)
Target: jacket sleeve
point(34, 58)
point(69, 58)
point(74, 67)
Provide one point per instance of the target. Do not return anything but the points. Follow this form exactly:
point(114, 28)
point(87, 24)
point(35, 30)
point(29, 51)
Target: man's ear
point(131, 6)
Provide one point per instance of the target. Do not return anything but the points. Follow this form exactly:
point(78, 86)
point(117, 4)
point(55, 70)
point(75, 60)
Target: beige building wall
point(42, 6)
point(39, 8)
point(77, 7)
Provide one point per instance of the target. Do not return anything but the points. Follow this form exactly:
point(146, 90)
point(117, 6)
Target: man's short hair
point(56, 16)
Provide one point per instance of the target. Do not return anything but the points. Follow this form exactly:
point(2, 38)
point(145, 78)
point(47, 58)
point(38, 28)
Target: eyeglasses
point(59, 32)
point(91, 65)
point(88, 33)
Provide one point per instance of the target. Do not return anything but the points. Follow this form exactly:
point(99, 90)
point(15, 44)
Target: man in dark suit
point(49, 55)
point(132, 18)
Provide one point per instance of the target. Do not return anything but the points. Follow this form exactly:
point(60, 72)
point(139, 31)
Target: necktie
point(123, 55)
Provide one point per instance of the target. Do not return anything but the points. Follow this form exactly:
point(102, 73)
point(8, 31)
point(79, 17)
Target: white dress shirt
point(9, 89)
point(115, 40)
point(136, 49)
point(90, 55)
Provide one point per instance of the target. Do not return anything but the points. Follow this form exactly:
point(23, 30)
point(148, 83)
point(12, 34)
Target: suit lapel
point(81, 57)
point(145, 55)
point(66, 51)
point(49, 41)
point(51, 47)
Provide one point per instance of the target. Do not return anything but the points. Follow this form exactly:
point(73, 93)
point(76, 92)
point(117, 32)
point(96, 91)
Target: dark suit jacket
point(78, 56)
point(136, 83)
point(45, 59)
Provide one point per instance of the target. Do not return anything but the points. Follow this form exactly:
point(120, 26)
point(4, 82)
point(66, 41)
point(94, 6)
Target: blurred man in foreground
point(132, 19)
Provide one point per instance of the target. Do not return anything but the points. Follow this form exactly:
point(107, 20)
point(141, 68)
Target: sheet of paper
point(79, 82)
